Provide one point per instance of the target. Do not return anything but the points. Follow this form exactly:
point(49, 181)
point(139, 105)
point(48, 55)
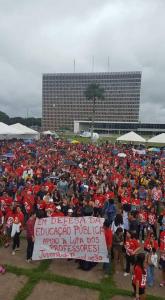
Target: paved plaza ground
point(62, 279)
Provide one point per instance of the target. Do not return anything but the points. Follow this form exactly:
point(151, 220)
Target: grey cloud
point(46, 35)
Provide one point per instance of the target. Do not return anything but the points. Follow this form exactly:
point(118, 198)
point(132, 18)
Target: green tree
point(25, 121)
point(4, 117)
point(93, 93)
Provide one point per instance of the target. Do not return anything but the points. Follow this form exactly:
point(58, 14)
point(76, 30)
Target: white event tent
point(17, 131)
point(87, 134)
point(8, 133)
point(159, 139)
point(25, 132)
point(49, 132)
point(131, 137)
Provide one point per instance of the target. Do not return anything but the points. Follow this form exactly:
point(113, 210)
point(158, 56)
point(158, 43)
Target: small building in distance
point(107, 128)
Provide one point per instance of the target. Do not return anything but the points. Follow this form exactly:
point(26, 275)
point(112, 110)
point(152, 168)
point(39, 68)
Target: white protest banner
point(69, 237)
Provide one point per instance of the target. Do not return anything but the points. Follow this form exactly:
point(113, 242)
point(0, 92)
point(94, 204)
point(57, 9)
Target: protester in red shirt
point(152, 220)
point(109, 195)
point(57, 212)
point(147, 203)
point(28, 207)
point(132, 246)
point(16, 230)
point(9, 218)
point(125, 198)
point(99, 200)
point(40, 204)
point(135, 204)
point(143, 217)
point(28, 202)
point(36, 188)
point(49, 207)
point(139, 277)
point(18, 198)
point(150, 243)
point(162, 256)
point(108, 239)
point(30, 236)
point(1, 218)
point(20, 216)
point(49, 186)
point(5, 202)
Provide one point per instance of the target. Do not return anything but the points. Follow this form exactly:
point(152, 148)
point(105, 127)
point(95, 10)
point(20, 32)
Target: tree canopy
point(4, 117)
point(93, 93)
point(25, 121)
point(94, 90)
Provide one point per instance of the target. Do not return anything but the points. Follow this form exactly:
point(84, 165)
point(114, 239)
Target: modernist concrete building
point(63, 100)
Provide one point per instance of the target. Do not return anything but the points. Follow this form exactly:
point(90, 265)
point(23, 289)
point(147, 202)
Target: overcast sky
point(44, 36)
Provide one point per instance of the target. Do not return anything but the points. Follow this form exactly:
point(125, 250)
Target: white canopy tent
point(7, 132)
point(159, 139)
point(87, 134)
point(131, 137)
point(49, 132)
point(25, 132)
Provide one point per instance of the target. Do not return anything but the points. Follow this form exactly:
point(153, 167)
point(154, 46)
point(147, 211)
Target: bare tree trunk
point(93, 117)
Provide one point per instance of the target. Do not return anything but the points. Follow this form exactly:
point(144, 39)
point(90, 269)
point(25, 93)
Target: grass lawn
point(106, 288)
point(110, 138)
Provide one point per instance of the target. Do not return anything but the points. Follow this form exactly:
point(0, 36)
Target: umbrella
point(70, 163)
point(3, 157)
point(154, 149)
point(9, 155)
point(56, 178)
point(121, 155)
point(75, 142)
point(28, 141)
point(115, 151)
point(53, 150)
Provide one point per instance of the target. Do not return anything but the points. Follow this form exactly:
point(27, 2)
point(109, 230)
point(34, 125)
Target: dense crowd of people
point(56, 178)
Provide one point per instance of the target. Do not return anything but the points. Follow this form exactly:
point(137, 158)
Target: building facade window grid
point(63, 98)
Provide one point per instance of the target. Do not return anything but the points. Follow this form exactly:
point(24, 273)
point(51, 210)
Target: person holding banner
point(57, 212)
point(108, 238)
point(30, 236)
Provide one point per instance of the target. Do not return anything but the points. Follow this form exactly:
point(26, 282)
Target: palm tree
point(94, 92)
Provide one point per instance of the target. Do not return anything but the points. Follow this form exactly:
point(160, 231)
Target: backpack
point(110, 210)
